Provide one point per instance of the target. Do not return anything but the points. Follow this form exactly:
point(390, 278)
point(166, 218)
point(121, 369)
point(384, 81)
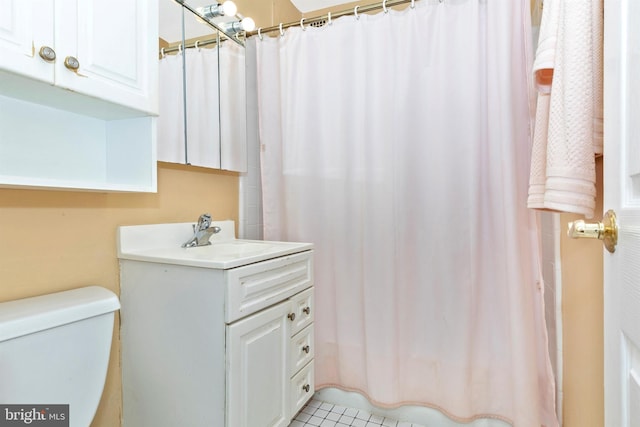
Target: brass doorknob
point(607, 230)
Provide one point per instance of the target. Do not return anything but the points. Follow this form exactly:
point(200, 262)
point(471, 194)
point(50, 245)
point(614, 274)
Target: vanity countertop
point(162, 243)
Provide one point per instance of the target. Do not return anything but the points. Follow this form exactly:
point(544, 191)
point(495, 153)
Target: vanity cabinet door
point(25, 28)
point(257, 369)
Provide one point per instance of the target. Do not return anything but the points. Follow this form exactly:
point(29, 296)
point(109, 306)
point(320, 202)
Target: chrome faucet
point(202, 232)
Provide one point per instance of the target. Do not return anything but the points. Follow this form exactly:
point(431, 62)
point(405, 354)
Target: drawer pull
point(291, 316)
point(306, 310)
point(306, 388)
point(306, 349)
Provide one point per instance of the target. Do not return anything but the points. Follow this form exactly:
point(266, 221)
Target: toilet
point(54, 350)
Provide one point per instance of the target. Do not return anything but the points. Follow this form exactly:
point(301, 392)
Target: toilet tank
point(54, 349)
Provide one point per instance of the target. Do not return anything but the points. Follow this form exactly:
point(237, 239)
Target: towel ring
point(355, 12)
point(281, 30)
point(384, 6)
point(260, 33)
point(302, 24)
point(329, 19)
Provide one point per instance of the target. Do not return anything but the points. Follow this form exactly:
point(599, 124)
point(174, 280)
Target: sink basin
point(162, 243)
point(234, 249)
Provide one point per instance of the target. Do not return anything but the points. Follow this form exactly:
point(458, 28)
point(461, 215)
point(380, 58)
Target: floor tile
point(322, 414)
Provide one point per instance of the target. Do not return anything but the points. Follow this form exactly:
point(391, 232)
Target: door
point(622, 193)
point(108, 50)
point(25, 28)
point(257, 374)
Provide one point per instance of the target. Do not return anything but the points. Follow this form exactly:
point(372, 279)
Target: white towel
point(568, 128)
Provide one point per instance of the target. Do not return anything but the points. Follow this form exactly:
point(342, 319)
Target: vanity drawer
point(256, 286)
point(302, 388)
point(302, 311)
point(301, 349)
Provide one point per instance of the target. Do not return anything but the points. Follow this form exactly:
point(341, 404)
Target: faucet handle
point(204, 221)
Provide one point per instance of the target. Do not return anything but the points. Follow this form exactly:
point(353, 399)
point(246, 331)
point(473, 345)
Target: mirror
point(202, 90)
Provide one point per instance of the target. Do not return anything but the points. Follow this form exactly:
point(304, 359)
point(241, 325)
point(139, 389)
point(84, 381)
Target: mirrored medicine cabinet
point(202, 88)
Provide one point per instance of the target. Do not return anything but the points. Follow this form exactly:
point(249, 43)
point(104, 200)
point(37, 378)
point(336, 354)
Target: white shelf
point(46, 147)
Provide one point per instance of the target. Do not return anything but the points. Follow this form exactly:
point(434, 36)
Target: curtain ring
point(196, 44)
point(413, 4)
point(302, 24)
point(260, 33)
point(384, 6)
point(281, 30)
point(180, 48)
point(329, 18)
point(162, 54)
point(355, 12)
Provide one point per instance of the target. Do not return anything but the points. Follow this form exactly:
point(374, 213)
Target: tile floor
point(322, 414)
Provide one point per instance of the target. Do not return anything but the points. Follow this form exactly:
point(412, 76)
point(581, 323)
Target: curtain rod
point(197, 43)
point(310, 21)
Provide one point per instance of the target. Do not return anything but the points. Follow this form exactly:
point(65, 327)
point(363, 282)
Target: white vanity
point(218, 335)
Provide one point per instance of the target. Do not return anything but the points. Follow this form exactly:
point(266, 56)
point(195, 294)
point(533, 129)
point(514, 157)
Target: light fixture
point(234, 27)
point(228, 8)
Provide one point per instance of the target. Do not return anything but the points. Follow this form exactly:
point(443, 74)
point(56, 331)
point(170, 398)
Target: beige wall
point(57, 240)
point(582, 316)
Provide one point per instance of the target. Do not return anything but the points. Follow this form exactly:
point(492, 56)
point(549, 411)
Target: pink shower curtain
point(399, 145)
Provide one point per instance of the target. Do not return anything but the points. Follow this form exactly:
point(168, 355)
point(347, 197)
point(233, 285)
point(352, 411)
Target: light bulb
point(248, 24)
point(235, 27)
point(229, 8)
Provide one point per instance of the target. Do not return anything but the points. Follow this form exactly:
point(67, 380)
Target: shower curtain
point(399, 145)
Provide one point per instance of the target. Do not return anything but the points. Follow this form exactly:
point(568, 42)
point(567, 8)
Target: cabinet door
point(257, 375)
point(114, 44)
point(25, 27)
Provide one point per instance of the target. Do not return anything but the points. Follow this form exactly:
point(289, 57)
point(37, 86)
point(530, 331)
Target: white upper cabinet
point(98, 48)
point(78, 94)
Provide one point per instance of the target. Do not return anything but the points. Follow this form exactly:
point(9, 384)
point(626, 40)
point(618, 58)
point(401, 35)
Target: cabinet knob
point(291, 316)
point(306, 349)
point(71, 63)
point(306, 310)
point(306, 388)
point(47, 53)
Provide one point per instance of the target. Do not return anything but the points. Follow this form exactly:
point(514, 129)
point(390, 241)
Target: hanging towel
point(568, 127)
